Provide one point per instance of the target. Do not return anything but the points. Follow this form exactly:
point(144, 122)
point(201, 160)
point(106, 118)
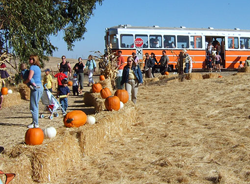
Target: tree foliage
point(25, 25)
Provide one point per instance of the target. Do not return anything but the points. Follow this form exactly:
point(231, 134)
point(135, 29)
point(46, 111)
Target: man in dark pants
point(164, 62)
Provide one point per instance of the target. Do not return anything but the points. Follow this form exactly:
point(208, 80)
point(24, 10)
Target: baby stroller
point(51, 103)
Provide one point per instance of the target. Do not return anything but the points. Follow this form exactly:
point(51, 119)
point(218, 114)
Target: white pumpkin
point(121, 104)
point(49, 132)
point(10, 91)
point(91, 120)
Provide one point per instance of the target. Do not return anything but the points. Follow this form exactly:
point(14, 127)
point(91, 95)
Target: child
point(47, 79)
point(241, 65)
point(75, 85)
point(60, 76)
point(25, 74)
point(63, 93)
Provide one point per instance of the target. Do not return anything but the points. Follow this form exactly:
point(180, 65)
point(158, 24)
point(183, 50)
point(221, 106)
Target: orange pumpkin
point(105, 93)
point(102, 77)
point(70, 83)
point(34, 136)
point(112, 103)
point(166, 73)
point(75, 118)
point(96, 88)
point(123, 95)
point(219, 76)
point(4, 91)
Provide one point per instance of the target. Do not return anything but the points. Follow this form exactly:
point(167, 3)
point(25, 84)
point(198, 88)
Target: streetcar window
point(113, 41)
point(233, 42)
point(127, 41)
point(244, 43)
point(195, 42)
point(145, 40)
point(182, 42)
point(169, 41)
point(155, 41)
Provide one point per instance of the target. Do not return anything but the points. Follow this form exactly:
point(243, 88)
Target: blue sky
point(227, 14)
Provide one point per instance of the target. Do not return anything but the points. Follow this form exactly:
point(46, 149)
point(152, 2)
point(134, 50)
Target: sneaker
point(32, 125)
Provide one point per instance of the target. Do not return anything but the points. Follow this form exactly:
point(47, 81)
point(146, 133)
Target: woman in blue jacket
point(132, 78)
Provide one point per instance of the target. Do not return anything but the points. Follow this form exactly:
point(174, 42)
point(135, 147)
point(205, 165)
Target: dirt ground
point(195, 131)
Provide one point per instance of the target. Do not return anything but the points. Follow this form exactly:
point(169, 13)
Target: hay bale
point(53, 158)
point(109, 124)
point(24, 91)
point(11, 99)
point(90, 98)
point(21, 166)
point(147, 81)
point(107, 83)
point(99, 104)
point(193, 76)
point(245, 69)
point(211, 76)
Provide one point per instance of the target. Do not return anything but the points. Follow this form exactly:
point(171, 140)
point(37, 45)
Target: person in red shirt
point(60, 76)
point(120, 65)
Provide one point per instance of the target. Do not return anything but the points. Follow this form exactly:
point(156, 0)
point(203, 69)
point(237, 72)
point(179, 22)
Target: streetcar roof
point(175, 28)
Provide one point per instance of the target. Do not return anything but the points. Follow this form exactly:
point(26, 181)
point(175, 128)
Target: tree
point(25, 25)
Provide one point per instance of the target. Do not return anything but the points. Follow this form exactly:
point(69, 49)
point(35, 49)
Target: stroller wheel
point(56, 114)
point(41, 116)
point(51, 117)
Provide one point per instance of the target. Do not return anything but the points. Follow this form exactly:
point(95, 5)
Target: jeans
point(132, 89)
point(80, 77)
point(64, 103)
point(91, 72)
point(35, 96)
point(186, 68)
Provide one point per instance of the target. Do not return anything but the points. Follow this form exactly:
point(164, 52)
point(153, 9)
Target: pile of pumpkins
point(114, 102)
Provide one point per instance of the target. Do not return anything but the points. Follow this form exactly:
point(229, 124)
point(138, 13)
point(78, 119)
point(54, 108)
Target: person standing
point(189, 62)
point(217, 62)
point(156, 63)
point(164, 62)
point(136, 59)
point(132, 78)
point(149, 64)
point(75, 85)
point(120, 66)
point(35, 95)
point(65, 65)
point(91, 64)
point(47, 79)
point(79, 68)
point(63, 94)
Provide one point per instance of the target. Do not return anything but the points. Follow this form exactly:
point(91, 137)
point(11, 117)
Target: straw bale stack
point(109, 124)
point(193, 76)
point(11, 99)
point(21, 166)
point(24, 91)
point(94, 99)
point(90, 98)
point(51, 159)
point(211, 76)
